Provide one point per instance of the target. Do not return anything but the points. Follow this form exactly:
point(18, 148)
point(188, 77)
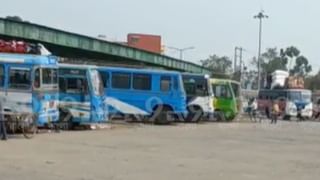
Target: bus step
point(93, 127)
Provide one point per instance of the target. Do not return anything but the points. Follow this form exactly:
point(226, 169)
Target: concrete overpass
point(81, 48)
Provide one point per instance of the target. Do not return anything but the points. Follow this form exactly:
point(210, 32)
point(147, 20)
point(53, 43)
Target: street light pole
point(260, 16)
point(182, 50)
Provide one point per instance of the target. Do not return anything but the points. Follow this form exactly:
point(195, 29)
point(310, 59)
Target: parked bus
point(148, 94)
point(290, 102)
point(199, 97)
point(29, 84)
point(227, 102)
point(81, 96)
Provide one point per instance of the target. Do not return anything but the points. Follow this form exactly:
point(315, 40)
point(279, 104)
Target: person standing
point(275, 112)
point(3, 130)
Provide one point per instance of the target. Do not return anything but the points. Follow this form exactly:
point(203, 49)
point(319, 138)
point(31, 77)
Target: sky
point(211, 26)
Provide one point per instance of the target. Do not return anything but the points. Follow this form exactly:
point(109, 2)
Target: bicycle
point(24, 123)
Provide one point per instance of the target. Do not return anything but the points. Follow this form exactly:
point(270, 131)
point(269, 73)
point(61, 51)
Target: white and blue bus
point(155, 95)
point(291, 102)
point(29, 84)
point(81, 95)
point(199, 97)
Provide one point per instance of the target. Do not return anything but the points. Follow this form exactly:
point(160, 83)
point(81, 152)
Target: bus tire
point(66, 119)
point(220, 116)
point(195, 114)
point(286, 118)
point(161, 115)
point(29, 126)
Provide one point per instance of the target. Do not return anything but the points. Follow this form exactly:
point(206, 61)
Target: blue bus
point(156, 95)
point(81, 95)
point(29, 84)
point(199, 97)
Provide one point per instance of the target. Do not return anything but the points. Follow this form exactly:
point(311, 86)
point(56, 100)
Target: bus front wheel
point(195, 114)
point(29, 126)
point(66, 119)
point(220, 116)
point(161, 115)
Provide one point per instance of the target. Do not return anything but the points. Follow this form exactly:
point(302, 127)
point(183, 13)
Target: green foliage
point(272, 60)
point(14, 18)
point(302, 66)
point(220, 66)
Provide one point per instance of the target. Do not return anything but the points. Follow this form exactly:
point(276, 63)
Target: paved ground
point(246, 151)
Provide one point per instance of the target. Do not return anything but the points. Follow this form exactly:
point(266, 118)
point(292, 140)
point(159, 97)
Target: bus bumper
point(48, 118)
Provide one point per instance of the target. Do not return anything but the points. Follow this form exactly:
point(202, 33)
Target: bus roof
point(205, 76)
point(284, 90)
point(151, 71)
point(78, 66)
point(223, 81)
point(28, 59)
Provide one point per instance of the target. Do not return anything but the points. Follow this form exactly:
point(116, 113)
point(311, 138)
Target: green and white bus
point(227, 102)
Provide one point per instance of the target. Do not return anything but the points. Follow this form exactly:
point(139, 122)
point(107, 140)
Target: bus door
point(236, 92)
point(74, 96)
point(95, 95)
point(18, 94)
point(224, 100)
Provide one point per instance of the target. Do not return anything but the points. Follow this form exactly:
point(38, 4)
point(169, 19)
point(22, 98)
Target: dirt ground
point(288, 150)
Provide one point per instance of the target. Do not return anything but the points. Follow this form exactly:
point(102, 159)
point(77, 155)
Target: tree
point(15, 18)
point(272, 60)
point(220, 66)
point(302, 66)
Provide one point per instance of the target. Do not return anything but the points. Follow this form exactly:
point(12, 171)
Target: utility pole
point(241, 49)
point(260, 16)
point(235, 61)
point(238, 54)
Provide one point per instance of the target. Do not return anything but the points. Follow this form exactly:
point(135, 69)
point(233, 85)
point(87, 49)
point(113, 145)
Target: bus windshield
point(306, 96)
point(294, 96)
point(196, 86)
point(97, 84)
point(236, 89)
point(20, 78)
point(46, 78)
point(299, 96)
point(196, 89)
point(222, 91)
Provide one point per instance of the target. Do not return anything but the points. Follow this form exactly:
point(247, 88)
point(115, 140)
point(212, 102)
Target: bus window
point(37, 78)
point(165, 83)
point(282, 95)
point(49, 76)
point(236, 89)
point(62, 85)
point(222, 91)
point(141, 82)
point(121, 80)
point(20, 78)
point(175, 83)
point(1, 75)
point(76, 85)
point(202, 89)
point(294, 96)
point(306, 96)
point(105, 79)
point(190, 88)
